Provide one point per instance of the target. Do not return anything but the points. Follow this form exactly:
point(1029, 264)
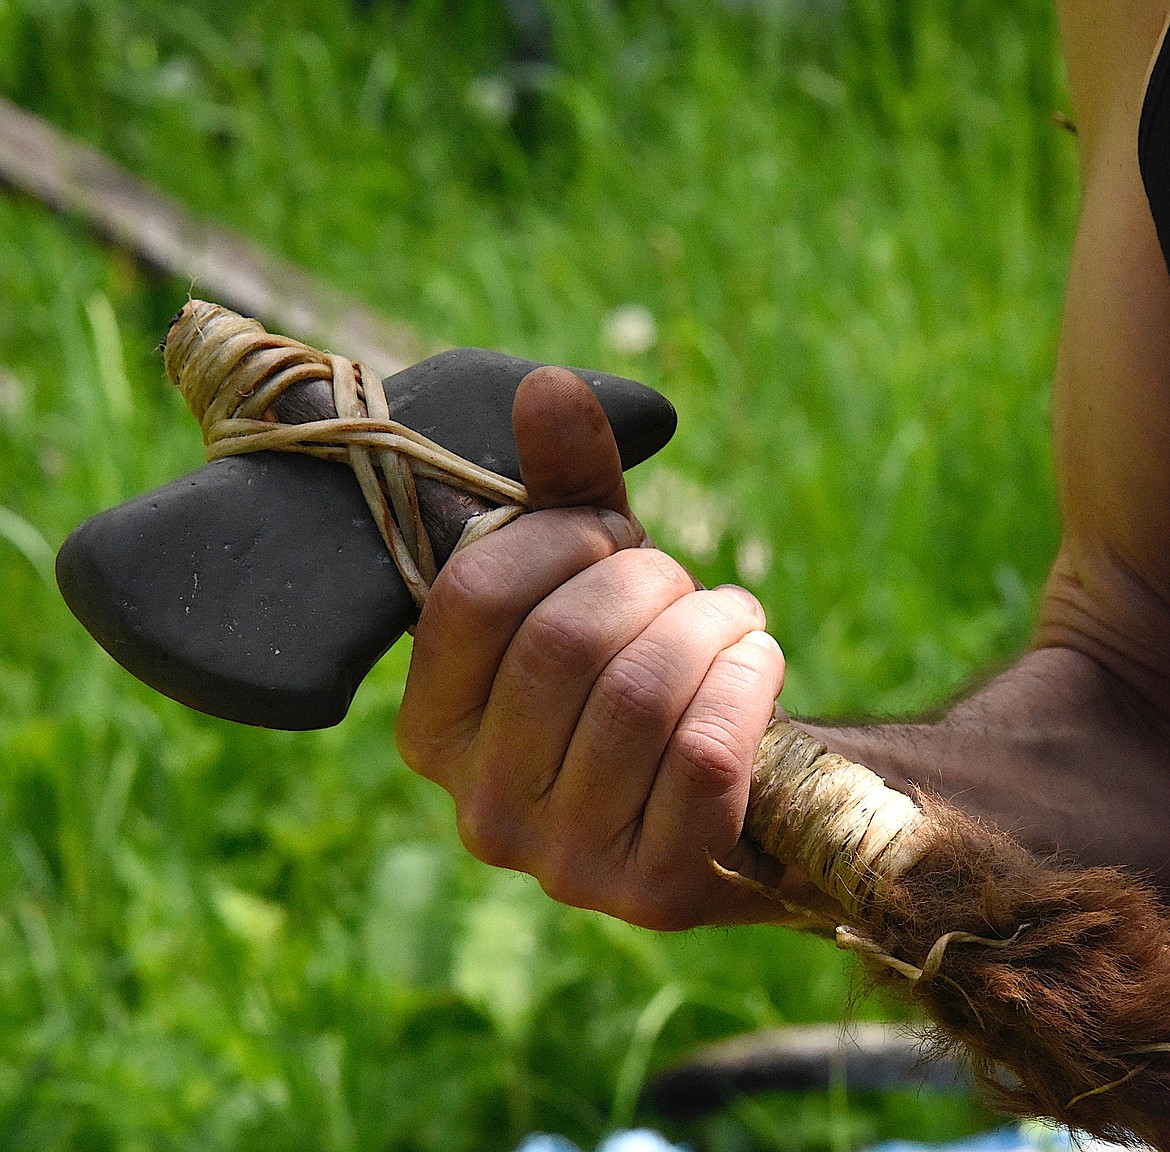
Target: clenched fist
point(593, 714)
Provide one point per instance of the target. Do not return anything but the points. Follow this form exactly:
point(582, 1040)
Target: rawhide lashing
point(1055, 980)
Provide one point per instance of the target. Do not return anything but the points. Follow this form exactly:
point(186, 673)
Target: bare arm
point(1070, 748)
point(1109, 594)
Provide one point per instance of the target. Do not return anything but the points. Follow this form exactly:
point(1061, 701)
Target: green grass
point(849, 226)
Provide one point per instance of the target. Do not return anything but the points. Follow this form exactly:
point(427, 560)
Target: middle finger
point(549, 669)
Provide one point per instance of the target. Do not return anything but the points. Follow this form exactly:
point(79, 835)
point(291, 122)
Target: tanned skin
point(595, 717)
point(1070, 748)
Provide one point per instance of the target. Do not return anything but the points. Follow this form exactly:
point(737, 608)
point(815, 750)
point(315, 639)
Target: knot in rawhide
point(253, 391)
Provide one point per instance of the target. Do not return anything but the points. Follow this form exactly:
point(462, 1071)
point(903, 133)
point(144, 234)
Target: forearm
point(1056, 751)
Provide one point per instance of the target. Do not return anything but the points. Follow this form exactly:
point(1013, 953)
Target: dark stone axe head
point(258, 588)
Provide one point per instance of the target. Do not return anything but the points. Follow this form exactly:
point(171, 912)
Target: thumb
point(568, 455)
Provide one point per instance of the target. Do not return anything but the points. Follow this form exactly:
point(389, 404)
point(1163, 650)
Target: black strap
point(1154, 146)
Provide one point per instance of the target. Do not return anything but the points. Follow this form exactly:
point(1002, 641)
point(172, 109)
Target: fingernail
point(624, 533)
point(744, 595)
point(764, 640)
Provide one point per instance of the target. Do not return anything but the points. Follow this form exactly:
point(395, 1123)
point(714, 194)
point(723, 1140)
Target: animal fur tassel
point(1054, 980)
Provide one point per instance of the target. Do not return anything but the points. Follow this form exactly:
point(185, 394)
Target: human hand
point(593, 714)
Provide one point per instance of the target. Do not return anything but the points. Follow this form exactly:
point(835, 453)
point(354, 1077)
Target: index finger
point(477, 603)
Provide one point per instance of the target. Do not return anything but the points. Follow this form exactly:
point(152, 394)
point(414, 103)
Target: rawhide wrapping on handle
point(1054, 980)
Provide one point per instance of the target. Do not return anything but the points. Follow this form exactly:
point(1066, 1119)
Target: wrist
point(1055, 751)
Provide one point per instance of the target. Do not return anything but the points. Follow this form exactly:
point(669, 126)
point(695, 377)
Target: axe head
point(258, 589)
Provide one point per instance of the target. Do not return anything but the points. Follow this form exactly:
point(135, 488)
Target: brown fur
point(1063, 1010)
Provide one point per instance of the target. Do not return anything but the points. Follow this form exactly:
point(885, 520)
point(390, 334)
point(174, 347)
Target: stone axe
point(260, 588)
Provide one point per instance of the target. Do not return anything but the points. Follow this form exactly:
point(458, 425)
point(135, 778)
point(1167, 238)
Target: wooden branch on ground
point(71, 177)
point(863, 1056)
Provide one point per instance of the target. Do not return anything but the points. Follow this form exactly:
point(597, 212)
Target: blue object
point(1026, 1137)
point(1030, 1136)
point(543, 1142)
point(634, 1140)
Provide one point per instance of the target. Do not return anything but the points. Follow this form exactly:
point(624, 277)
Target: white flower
point(630, 330)
point(753, 558)
point(683, 513)
point(12, 396)
point(493, 97)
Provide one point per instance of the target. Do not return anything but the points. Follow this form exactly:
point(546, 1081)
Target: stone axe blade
point(258, 588)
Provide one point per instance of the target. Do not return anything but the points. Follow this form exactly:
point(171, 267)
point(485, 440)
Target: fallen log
point(868, 1056)
point(73, 178)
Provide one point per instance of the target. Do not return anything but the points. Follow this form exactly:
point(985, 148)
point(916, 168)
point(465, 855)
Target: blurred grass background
point(833, 233)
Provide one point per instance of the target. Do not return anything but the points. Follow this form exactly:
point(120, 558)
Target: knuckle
point(722, 607)
point(655, 904)
point(416, 750)
point(659, 917)
point(551, 641)
point(668, 891)
point(634, 690)
point(559, 877)
point(715, 606)
point(485, 834)
point(661, 565)
point(478, 580)
point(641, 888)
point(585, 871)
point(707, 751)
point(430, 748)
